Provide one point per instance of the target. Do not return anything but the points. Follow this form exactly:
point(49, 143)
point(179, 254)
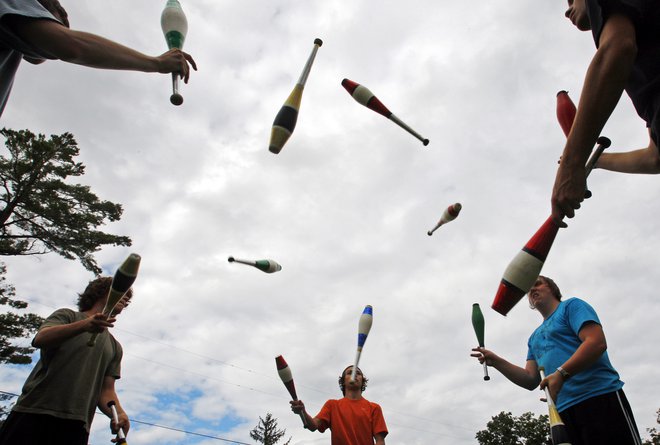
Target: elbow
point(654, 161)
point(622, 51)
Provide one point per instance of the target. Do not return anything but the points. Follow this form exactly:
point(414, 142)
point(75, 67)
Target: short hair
point(95, 291)
point(365, 380)
point(554, 289)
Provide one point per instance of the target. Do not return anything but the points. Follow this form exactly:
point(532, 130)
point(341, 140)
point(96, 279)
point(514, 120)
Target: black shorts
point(31, 429)
point(602, 420)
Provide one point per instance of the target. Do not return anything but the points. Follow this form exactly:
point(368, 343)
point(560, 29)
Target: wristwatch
point(565, 375)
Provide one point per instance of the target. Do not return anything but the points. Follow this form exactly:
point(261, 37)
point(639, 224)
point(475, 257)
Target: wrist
point(563, 373)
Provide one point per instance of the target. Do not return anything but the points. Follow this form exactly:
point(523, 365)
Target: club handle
point(303, 418)
point(486, 376)
point(547, 393)
point(121, 438)
point(357, 361)
point(92, 340)
point(175, 98)
point(603, 143)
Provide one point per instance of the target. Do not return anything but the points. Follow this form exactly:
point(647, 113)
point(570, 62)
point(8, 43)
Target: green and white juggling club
point(268, 266)
point(121, 283)
point(478, 323)
point(175, 27)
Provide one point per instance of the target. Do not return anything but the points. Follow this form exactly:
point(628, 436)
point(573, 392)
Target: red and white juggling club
point(365, 97)
point(364, 326)
point(524, 269)
point(449, 214)
point(565, 111)
point(287, 378)
point(566, 115)
point(175, 27)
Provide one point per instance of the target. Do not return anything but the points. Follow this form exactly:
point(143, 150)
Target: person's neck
point(98, 307)
point(354, 394)
point(547, 310)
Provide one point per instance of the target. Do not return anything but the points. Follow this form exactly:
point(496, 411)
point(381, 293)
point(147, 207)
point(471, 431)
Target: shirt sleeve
point(580, 312)
point(58, 318)
point(114, 367)
point(378, 425)
point(23, 8)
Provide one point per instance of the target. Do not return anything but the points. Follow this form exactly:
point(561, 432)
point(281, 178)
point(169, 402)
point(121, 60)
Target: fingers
point(191, 61)
point(177, 62)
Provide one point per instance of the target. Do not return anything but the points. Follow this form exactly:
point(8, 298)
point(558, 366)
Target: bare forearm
point(81, 47)
point(520, 376)
point(54, 336)
point(643, 161)
point(585, 355)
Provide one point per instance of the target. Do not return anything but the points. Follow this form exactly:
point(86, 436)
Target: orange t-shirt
point(352, 422)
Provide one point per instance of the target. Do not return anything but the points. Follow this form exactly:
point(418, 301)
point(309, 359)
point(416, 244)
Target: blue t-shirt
point(555, 341)
point(12, 47)
point(643, 85)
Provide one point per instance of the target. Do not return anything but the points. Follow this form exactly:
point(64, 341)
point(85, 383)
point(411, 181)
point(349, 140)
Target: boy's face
point(577, 14)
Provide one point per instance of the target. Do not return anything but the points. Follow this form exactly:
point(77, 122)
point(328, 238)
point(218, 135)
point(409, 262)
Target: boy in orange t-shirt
point(352, 419)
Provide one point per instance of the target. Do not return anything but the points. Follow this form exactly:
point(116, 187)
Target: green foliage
point(42, 213)
point(655, 435)
point(266, 431)
point(506, 429)
point(15, 326)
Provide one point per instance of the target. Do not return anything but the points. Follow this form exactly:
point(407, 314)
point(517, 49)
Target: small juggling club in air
point(449, 214)
point(364, 326)
point(365, 97)
point(175, 27)
point(285, 121)
point(287, 378)
point(268, 266)
point(478, 323)
point(558, 432)
point(121, 282)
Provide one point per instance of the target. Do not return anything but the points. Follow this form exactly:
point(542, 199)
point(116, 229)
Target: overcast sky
point(344, 208)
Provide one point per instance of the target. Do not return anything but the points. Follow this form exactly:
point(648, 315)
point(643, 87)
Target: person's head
point(577, 14)
point(543, 284)
point(97, 290)
point(54, 7)
point(345, 379)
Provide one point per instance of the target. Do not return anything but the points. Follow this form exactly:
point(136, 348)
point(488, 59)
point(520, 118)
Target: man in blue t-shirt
point(627, 58)
point(571, 346)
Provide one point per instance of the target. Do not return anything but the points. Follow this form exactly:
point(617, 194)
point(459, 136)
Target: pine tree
point(14, 325)
point(266, 431)
point(42, 213)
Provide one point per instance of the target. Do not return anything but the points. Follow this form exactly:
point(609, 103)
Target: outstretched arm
point(527, 377)
point(53, 336)
point(603, 86)
point(87, 49)
point(645, 160)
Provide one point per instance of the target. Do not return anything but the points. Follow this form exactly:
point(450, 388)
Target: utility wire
point(155, 425)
